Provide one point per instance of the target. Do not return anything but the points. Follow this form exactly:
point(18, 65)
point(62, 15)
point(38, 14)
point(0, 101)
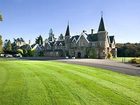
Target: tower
point(67, 40)
point(102, 40)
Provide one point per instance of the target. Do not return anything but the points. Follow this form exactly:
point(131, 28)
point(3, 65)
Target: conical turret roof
point(101, 25)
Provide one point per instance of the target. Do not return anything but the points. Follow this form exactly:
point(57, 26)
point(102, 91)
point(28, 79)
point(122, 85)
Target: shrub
point(20, 51)
point(92, 53)
point(135, 60)
point(109, 55)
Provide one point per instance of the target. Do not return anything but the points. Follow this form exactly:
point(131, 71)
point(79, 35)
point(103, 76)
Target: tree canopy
point(1, 48)
point(7, 46)
point(128, 50)
point(39, 40)
point(1, 17)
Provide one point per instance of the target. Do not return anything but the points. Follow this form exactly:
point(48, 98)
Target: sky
point(30, 18)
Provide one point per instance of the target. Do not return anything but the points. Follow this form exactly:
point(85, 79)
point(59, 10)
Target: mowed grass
point(123, 59)
point(55, 83)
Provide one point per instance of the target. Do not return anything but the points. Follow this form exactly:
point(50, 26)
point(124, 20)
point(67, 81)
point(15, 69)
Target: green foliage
point(61, 54)
point(54, 83)
point(39, 40)
point(20, 51)
point(1, 48)
point(41, 54)
point(61, 37)
point(135, 60)
point(92, 53)
point(1, 19)
point(7, 46)
point(109, 55)
point(128, 50)
point(28, 53)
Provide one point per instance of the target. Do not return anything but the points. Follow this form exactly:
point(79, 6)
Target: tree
point(1, 49)
point(39, 40)
point(51, 36)
point(61, 37)
point(1, 19)
point(7, 46)
point(91, 52)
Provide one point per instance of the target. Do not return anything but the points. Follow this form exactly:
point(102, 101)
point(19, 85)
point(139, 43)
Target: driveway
point(106, 64)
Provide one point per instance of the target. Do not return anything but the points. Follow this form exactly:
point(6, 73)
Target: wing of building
point(97, 45)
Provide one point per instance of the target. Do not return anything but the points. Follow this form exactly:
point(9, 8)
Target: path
point(106, 64)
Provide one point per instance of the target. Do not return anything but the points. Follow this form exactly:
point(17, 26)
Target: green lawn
point(123, 59)
point(54, 83)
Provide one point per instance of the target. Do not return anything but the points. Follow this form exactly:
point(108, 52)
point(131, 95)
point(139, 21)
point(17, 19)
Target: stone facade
point(97, 45)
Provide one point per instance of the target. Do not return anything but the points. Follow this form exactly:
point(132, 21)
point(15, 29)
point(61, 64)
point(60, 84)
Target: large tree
point(1, 36)
point(7, 46)
point(39, 40)
point(1, 49)
point(1, 17)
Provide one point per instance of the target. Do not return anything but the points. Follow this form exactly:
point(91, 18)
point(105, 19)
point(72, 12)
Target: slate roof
point(67, 31)
point(111, 39)
point(101, 25)
point(55, 50)
point(19, 40)
point(76, 37)
point(92, 37)
point(60, 42)
point(26, 46)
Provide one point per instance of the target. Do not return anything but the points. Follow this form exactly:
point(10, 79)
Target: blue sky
point(31, 18)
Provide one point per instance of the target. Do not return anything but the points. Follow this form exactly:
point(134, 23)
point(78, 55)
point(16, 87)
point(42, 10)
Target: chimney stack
point(92, 31)
point(29, 42)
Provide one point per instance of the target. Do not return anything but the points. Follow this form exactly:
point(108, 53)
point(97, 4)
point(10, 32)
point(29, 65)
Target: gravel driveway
point(106, 64)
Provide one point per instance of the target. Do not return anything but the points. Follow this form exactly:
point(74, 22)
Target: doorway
point(79, 54)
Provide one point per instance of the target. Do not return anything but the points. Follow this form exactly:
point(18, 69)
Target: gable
point(82, 41)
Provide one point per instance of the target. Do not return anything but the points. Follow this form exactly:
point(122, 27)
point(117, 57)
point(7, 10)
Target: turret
point(102, 40)
point(67, 36)
point(67, 40)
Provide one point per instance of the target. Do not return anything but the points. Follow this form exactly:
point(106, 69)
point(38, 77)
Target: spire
point(67, 31)
point(101, 26)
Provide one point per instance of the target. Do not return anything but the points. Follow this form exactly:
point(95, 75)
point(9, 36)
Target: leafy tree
point(128, 49)
point(31, 53)
point(1, 49)
point(39, 40)
point(51, 36)
point(14, 47)
point(61, 37)
point(7, 46)
point(109, 55)
point(41, 54)
point(92, 53)
point(1, 19)
point(20, 51)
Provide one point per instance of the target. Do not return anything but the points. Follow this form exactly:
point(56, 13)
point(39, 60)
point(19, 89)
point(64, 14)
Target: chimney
point(92, 31)
point(29, 42)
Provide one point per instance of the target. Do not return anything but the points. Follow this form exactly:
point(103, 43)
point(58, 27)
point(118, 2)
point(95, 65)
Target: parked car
point(1, 55)
point(73, 57)
point(8, 55)
point(17, 55)
point(67, 57)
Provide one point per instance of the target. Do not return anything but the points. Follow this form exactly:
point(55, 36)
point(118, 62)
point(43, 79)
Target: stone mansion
point(99, 44)
point(79, 46)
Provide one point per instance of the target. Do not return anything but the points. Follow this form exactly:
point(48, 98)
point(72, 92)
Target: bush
point(109, 55)
point(92, 53)
point(20, 51)
point(135, 60)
